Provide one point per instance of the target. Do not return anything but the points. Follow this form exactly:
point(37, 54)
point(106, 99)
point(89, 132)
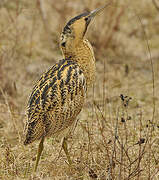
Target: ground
point(116, 136)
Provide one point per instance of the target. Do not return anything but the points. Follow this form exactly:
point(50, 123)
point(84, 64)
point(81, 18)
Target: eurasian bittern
point(58, 96)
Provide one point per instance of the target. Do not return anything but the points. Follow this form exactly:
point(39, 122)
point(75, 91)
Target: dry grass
point(117, 133)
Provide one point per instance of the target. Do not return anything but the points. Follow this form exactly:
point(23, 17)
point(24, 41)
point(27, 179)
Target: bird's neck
point(84, 56)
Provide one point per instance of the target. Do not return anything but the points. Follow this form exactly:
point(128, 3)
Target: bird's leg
point(40, 149)
point(64, 146)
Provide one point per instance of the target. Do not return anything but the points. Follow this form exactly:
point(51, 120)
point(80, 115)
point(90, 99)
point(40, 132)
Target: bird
point(59, 95)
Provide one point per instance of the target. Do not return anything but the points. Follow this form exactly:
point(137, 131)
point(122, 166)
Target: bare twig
point(155, 4)
point(153, 90)
point(10, 112)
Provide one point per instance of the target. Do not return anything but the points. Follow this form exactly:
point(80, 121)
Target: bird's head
point(76, 28)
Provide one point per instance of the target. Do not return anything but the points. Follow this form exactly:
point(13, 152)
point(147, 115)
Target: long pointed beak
point(93, 13)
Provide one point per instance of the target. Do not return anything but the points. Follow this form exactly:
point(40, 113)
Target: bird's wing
point(56, 100)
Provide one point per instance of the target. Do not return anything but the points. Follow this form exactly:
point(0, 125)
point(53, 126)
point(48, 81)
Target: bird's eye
point(86, 18)
point(63, 44)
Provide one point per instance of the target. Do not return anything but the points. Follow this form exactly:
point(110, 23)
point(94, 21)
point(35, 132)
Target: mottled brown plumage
point(56, 100)
point(58, 96)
